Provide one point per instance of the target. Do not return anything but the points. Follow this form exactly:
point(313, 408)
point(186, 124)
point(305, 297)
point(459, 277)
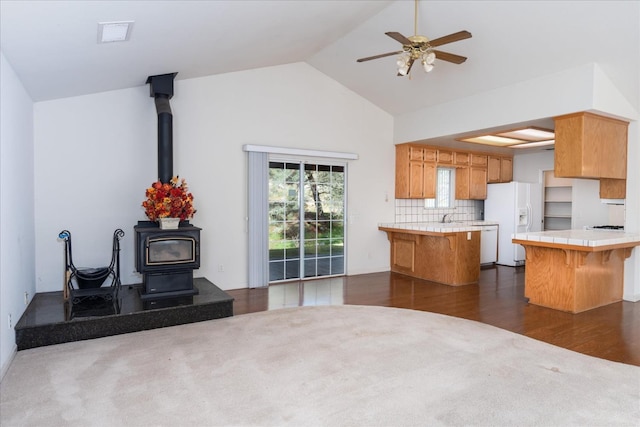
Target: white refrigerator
point(517, 207)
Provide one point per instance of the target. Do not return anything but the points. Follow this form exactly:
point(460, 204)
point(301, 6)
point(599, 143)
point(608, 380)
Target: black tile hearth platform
point(49, 319)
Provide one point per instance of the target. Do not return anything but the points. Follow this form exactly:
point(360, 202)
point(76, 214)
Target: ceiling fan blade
point(449, 57)
point(399, 38)
point(369, 58)
point(460, 35)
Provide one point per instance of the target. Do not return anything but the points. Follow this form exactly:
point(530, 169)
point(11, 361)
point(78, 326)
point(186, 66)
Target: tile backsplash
point(413, 210)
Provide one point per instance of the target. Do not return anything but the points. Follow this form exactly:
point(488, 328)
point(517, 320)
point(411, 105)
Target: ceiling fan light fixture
point(430, 57)
point(403, 60)
point(426, 66)
point(403, 63)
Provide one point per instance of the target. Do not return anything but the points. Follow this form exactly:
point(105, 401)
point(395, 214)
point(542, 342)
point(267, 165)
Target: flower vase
point(169, 223)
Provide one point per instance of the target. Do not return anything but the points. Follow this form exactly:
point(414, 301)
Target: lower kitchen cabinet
point(451, 258)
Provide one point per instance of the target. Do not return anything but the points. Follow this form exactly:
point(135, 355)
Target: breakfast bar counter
point(575, 270)
point(447, 253)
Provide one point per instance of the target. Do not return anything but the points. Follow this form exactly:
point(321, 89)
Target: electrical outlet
point(221, 268)
point(26, 298)
point(10, 323)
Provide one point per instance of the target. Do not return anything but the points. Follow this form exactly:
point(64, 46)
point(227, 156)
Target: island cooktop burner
point(606, 227)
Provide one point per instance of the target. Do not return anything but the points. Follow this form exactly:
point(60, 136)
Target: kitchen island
point(447, 253)
point(575, 270)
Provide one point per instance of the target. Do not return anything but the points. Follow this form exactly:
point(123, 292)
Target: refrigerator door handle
point(529, 217)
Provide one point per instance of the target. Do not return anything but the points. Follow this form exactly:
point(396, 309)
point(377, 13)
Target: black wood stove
point(166, 258)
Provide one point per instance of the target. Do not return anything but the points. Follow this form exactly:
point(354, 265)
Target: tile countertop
point(588, 238)
point(438, 227)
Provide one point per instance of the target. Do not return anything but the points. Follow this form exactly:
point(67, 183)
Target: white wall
point(16, 207)
point(528, 167)
point(96, 154)
point(586, 208)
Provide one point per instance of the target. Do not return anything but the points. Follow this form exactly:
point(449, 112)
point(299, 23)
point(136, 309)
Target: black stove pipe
point(161, 88)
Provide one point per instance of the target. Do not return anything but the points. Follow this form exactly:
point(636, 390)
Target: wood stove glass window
point(171, 250)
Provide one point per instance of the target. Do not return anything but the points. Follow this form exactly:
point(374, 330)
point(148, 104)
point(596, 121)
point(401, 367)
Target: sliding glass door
point(306, 220)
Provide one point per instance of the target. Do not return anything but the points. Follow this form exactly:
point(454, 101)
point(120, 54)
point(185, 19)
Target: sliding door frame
point(302, 163)
point(257, 204)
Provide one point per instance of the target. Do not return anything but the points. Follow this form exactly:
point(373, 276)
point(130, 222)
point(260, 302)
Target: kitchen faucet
point(444, 218)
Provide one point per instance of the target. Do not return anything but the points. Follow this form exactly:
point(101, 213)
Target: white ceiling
point(52, 45)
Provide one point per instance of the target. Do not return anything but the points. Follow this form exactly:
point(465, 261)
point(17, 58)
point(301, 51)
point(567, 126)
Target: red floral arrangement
point(169, 200)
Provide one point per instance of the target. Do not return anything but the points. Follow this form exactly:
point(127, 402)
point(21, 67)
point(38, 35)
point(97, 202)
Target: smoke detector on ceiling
point(119, 31)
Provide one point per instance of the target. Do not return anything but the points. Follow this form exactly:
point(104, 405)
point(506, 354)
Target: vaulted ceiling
point(52, 45)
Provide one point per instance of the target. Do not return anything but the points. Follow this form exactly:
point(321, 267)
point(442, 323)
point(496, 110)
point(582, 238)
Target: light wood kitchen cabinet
point(471, 183)
point(590, 146)
point(429, 180)
point(430, 154)
point(445, 157)
point(613, 188)
point(493, 169)
point(499, 169)
point(478, 160)
point(506, 169)
point(415, 172)
point(452, 258)
point(417, 168)
point(461, 158)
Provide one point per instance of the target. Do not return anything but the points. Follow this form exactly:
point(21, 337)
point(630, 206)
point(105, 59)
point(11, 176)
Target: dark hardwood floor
point(611, 332)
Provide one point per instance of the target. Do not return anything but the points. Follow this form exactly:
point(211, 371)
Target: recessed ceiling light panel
point(516, 138)
point(530, 134)
point(535, 144)
point(492, 140)
point(119, 31)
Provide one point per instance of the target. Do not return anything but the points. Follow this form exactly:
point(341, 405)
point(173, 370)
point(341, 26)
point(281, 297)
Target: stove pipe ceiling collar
point(161, 88)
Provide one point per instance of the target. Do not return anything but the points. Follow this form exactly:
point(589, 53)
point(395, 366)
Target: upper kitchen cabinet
point(415, 172)
point(417, 168)
point(462, 158)
point(613, 188)
point(471, 183)
point(445, 157)
point(499, 169)
point(590, 146)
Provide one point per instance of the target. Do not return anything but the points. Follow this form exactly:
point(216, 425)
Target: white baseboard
point(6, 366)
point(631, 298)
point(355, 272)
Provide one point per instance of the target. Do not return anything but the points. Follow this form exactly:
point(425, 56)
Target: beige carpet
point(318, 366)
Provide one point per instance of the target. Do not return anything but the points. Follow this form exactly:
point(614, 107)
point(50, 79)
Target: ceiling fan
point(420, 48)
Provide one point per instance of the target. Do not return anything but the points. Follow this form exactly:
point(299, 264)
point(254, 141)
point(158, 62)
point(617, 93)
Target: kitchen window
point(444, 189)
